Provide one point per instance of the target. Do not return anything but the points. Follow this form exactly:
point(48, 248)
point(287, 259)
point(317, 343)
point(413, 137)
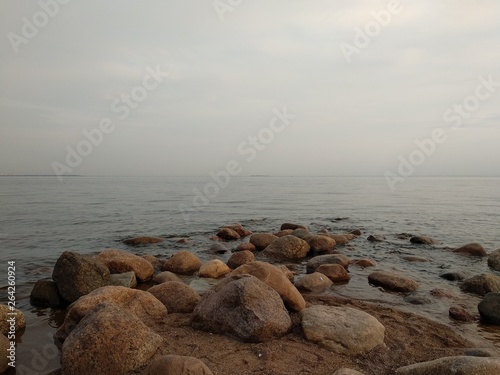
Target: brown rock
point(340, 239)
point(444, 293)
point(243, 306)
point(481, 284)
point(166, 276)
point(315, 262)
point(262, 240)
point(454, 366)
point(422, 240)
point(246, 246)
point(376, 238)
point(301, 233)
point(126, 279)
point(155, 262)
point(239, 258)
point(287, 247)
point(176, 296)
point(286, 232)
point(356, 232)
point(472, 249)
point(286, 271)
point(461, 314)
point(214, 269)
point(238, 228)
point(335, 272)
point(177, 365)
point(5, 325)
point(108, 341)
point(411, 258)
point(494, 260)
point(320, 243)
point(363, 262)
point(183, 262)
point(5, 348)
point(393, 281)
point(313, 282)
point(277, 280)
point(143, 241)
point(45, 294)
point(228, 234)
point(120, 261)
point(292, 226)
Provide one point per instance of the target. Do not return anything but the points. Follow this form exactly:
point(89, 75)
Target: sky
point(303, 88)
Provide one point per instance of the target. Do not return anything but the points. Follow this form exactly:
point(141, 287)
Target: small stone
point(363, 263)
point(286, 232)
point(376, 238)
point(218, 248)
point(228, 234)
point(238, 228)
point(183, 262)
point(444, 293)
point(292, 226)
point(356, 232)
point(422, 240)
point(177, 365)
point(455, 275)
point(262, 240)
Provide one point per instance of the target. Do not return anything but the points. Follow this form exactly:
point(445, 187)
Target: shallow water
point(42, 217)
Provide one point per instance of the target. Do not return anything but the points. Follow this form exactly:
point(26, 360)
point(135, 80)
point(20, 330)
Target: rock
point(108, 341)
point(286, 232)
point(347, 371)
point(5, 325)
point(363, 262)
point(339, 239)
point(143, 240)
point(356, 232)
point(201, 285)
point(444, 293)
point(277, 280)
point(262, 240)
point(183, 241)
point(121, 261)
point(287, 247)
point(494, 260)
point(155, 262)
point(313, 282)
point(176, 296)
point(126, 279)
point(343, 330)
point(228, 234)
point(214, 269)
point(238, 228)
point(183, 262)
point(135, 302)
point(177, 365)
point(319, 243)
point(166, 276)
point(292, 226)
point(77, 275)
point(246, 246)
point(393, 281)
point(335, 272)
point(472, 249)
point(414, 259)
point(422, 240)
point(376, 238)
point(4, 348)
point(417, 299)
point(286, 271)
point(481, 284)
point(300, 233)
point(317, 261)
point(489, 308)
point(243, 306)
point(455, 275)
point(239, 258)
point(454, 366)
point(480, 352)
point(218, 248)
point(460, 314)
point(45, 294)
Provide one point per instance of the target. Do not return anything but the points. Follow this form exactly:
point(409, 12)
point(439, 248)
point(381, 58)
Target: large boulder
point(239, 258)
point(472, 249)
point(393, 281)
point(315, 262)
point(262, 240)
point(343, 330)
point(177, 365)
point(313, 282)
point(277, 280)
point(4, 317)
point(121, 261)
point(183, 262)
point(176, 296)
point(228, 234)
point(481, 284)
point(77, 275)
point(45, 294)
point(136, 241)
point(320, 243)
point(335, 272)
point(494, 260)
point(287, 247)
point(489, 308)
point(454, 366)
point(135, 302)
point(213, 269)
point(108, 341)
point(243, 306)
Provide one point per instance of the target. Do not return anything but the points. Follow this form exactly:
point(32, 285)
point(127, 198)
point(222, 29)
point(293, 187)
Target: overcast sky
point(228, 70)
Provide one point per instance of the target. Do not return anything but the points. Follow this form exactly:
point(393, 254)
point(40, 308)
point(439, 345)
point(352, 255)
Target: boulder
point(494, 260)
point(460, 314)
point(218, 248)
point(5, 325)
point(4, 348)
point(393, 281)
point(262, 240)
point(126, 279)
point(286, 271)
point(155, 262)
point(376, 238)
point(481, 284)
point(300, 233)
point(317, 261)
point(363, 263)
point(277, 280)
point(335, 272)
point(177, 365)
point(455, 275)
point(313, 282)
point(343, 330)
point(285, 232)
point(287, 247)
point(120, 261)
point(143, 240)
point(292, 226)
point(472, 249)
point(176, 296)
point(239, 258)
point(108, 341)
point(422, 240)
point(238, 228)
point(46, 294)
point(228, 234)
point(214, 269)
point(319, 243)
point(489, 308)
point(135, 302)
point(340, 239)
point(414, 259)
point(444, 293)
point(356, 232)
point(183, 262)
point(77, 275)
point(165, 276)
point(454, 366)
point(246, 246)
point(245, 307)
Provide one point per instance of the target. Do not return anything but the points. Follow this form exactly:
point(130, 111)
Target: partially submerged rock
point(472, 249)
point(494, 260)
point(46, 294)
point(120, 261)
point(335, 272)
point(393, 281)
point(422, 240)
point(144, 240)
point(481, 284)
point(317, 261)
point(5, 324)
point(489, 308)
point(313, 282)
point(183, 262)
point(287, 247)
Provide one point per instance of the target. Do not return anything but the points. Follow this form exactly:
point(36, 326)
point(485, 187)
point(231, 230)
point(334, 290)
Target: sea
point(41, 217)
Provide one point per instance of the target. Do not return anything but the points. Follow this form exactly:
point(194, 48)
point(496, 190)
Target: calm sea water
point(42, 217)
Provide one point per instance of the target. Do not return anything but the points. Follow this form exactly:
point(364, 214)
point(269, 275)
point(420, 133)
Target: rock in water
point(335, 272)
point(262, 240)
point(4, 360)
point(143, 241)
point(287, 247)
point(77, 275)
point(178, 365)
point(228, 234)
point(315, 262)
point(213, 269)
point(239, 258)
point(422, 240)
point(489, 308)
point(243, 306)
point(292, 226)
point(482, 284)
point(472, 249)
point(183, 262)
point(319, 243)
point(45, 294)
point(343, 330)
point(313, 282)
point(5, 325)
point(108, 341)
point(454, 366)
point(121, 261)
point(494, 260)
point(176, 296)
point(393, 281)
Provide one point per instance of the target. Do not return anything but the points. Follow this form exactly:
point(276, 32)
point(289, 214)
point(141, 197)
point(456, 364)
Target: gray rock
point(77, 275)
point(454, 366)
point(45, 294)
point(481, 284)
point(494, 260)
point(315, 262)
point(126, 279)
point(178, 365)
point(489, 308)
